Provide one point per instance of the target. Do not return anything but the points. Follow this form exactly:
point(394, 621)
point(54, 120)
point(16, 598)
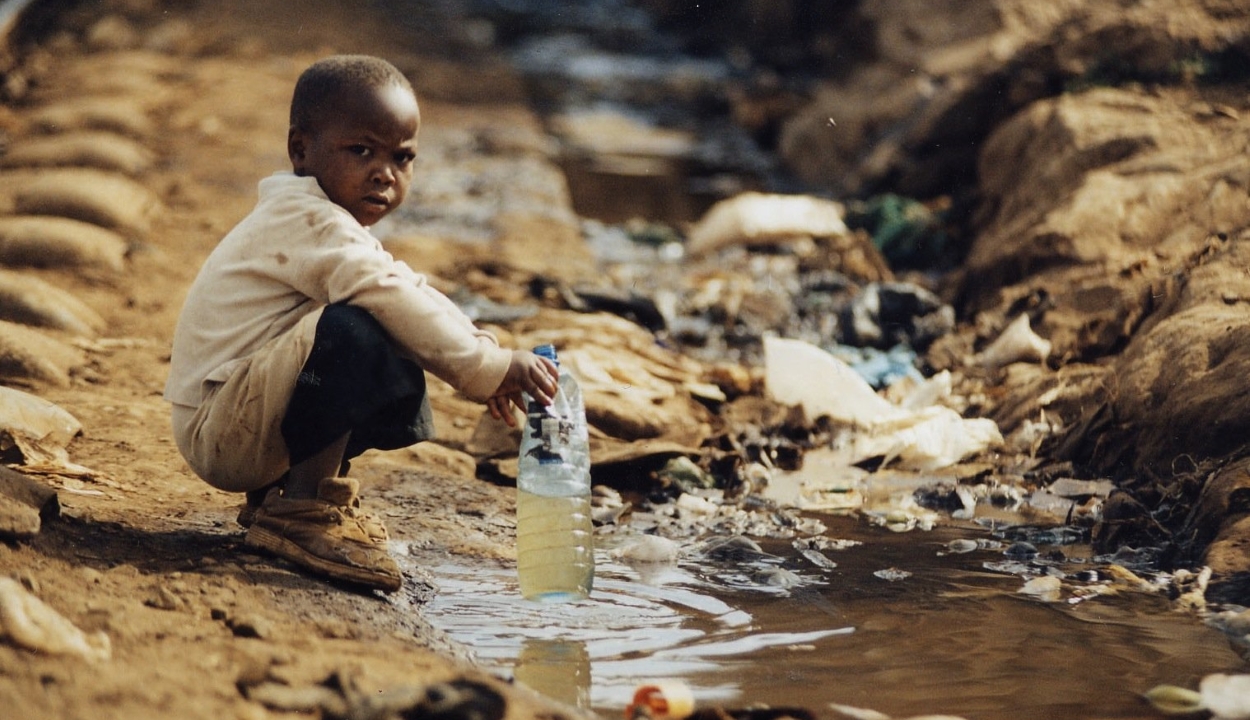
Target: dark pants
point(355, 382)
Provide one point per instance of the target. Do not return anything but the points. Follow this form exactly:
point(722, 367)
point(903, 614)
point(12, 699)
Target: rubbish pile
point(768, 336)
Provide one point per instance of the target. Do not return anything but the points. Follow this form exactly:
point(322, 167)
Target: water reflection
point(559, 669)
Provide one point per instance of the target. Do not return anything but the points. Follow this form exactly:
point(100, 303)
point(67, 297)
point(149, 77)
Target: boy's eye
point(360, 150)
point(403, 158)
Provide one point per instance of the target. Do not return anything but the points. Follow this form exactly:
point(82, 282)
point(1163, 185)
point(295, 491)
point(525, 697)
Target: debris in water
point(1226, 697)
point(960, 546)
point(806, 548)
point(1021, 551)
point(892, 574)
point(661, 700)
point(1046, 587)
point(648, 549)
point(1236, 627)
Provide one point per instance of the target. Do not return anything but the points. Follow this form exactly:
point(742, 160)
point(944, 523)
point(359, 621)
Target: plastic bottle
point(555, 549)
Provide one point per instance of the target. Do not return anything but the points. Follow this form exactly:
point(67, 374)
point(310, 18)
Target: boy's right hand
point(527, 373)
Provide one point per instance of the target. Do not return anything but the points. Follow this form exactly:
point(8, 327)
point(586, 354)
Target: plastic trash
point(661, 700)
point(799, 373)
point(555, 549)
point(918, 438)
point(758, 218)
point(39, 430)
point(908, 233)
point(1226, 697)
point(648, 549)
point(1016, 343)
point(880, 368)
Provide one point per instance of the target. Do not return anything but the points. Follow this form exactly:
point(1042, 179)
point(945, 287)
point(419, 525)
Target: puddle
point(901, 625)
point(658, 622)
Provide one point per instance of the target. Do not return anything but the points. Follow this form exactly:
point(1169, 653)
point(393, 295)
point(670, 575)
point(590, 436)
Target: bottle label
point(552, 432)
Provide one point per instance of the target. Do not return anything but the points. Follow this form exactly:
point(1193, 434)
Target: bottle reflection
point(559, 669)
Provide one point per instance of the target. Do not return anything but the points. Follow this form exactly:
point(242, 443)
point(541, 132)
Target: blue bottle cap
point(548, 351)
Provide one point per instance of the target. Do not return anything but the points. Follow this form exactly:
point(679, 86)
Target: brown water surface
point(900, 626)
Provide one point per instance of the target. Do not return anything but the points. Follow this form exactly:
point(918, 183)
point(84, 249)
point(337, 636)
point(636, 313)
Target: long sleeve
point(296, 252)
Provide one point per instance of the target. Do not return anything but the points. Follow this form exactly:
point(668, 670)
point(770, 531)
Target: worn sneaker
point(254, 499)
point(330, 535)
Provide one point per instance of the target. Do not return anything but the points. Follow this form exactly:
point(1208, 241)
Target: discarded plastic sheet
point(29, 623)
point(38, 429)
point(1017, 343)
point(799, 373)
point(880, 368)
point(930, 439)
point(918, 438)
point(758, 218)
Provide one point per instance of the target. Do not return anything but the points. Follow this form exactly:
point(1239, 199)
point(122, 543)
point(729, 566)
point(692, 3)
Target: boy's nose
point(384, 173)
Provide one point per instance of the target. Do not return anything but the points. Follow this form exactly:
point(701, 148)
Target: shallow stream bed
point(900, 625)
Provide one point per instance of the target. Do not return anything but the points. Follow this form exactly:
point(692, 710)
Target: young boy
point(302, 342)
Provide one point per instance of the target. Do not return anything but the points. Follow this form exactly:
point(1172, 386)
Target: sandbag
point(90, 149)
point(111, 114)
point(27, 300)
point(102, 198)
point(28, 355)
point(53, 242)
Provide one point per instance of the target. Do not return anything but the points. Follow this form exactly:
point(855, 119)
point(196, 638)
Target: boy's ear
point(296, 148)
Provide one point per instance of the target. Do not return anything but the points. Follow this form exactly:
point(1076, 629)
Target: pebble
point(250, 626)
point(1021, 551)
point(961, 546)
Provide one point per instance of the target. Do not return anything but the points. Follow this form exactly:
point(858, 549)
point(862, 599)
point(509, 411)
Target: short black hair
point(327, 79)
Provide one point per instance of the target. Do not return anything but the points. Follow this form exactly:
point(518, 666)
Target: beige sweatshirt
point(297, 251)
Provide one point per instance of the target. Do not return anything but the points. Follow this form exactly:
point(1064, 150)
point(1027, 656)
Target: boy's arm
point(439, 338)
point(346, 264)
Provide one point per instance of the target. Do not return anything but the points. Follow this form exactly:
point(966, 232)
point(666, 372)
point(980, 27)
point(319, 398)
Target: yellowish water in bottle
point(555, 548)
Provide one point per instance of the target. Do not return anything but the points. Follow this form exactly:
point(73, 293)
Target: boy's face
point(362, 152)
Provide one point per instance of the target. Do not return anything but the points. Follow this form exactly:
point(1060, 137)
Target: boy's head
point(354, 123)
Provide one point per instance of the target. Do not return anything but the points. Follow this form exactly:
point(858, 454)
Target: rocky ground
point(1101, 195)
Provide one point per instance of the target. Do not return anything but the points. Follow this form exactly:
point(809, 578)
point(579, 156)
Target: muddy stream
point(906, 623)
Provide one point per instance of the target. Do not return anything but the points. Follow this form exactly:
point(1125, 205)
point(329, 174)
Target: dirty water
point(901, 625)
